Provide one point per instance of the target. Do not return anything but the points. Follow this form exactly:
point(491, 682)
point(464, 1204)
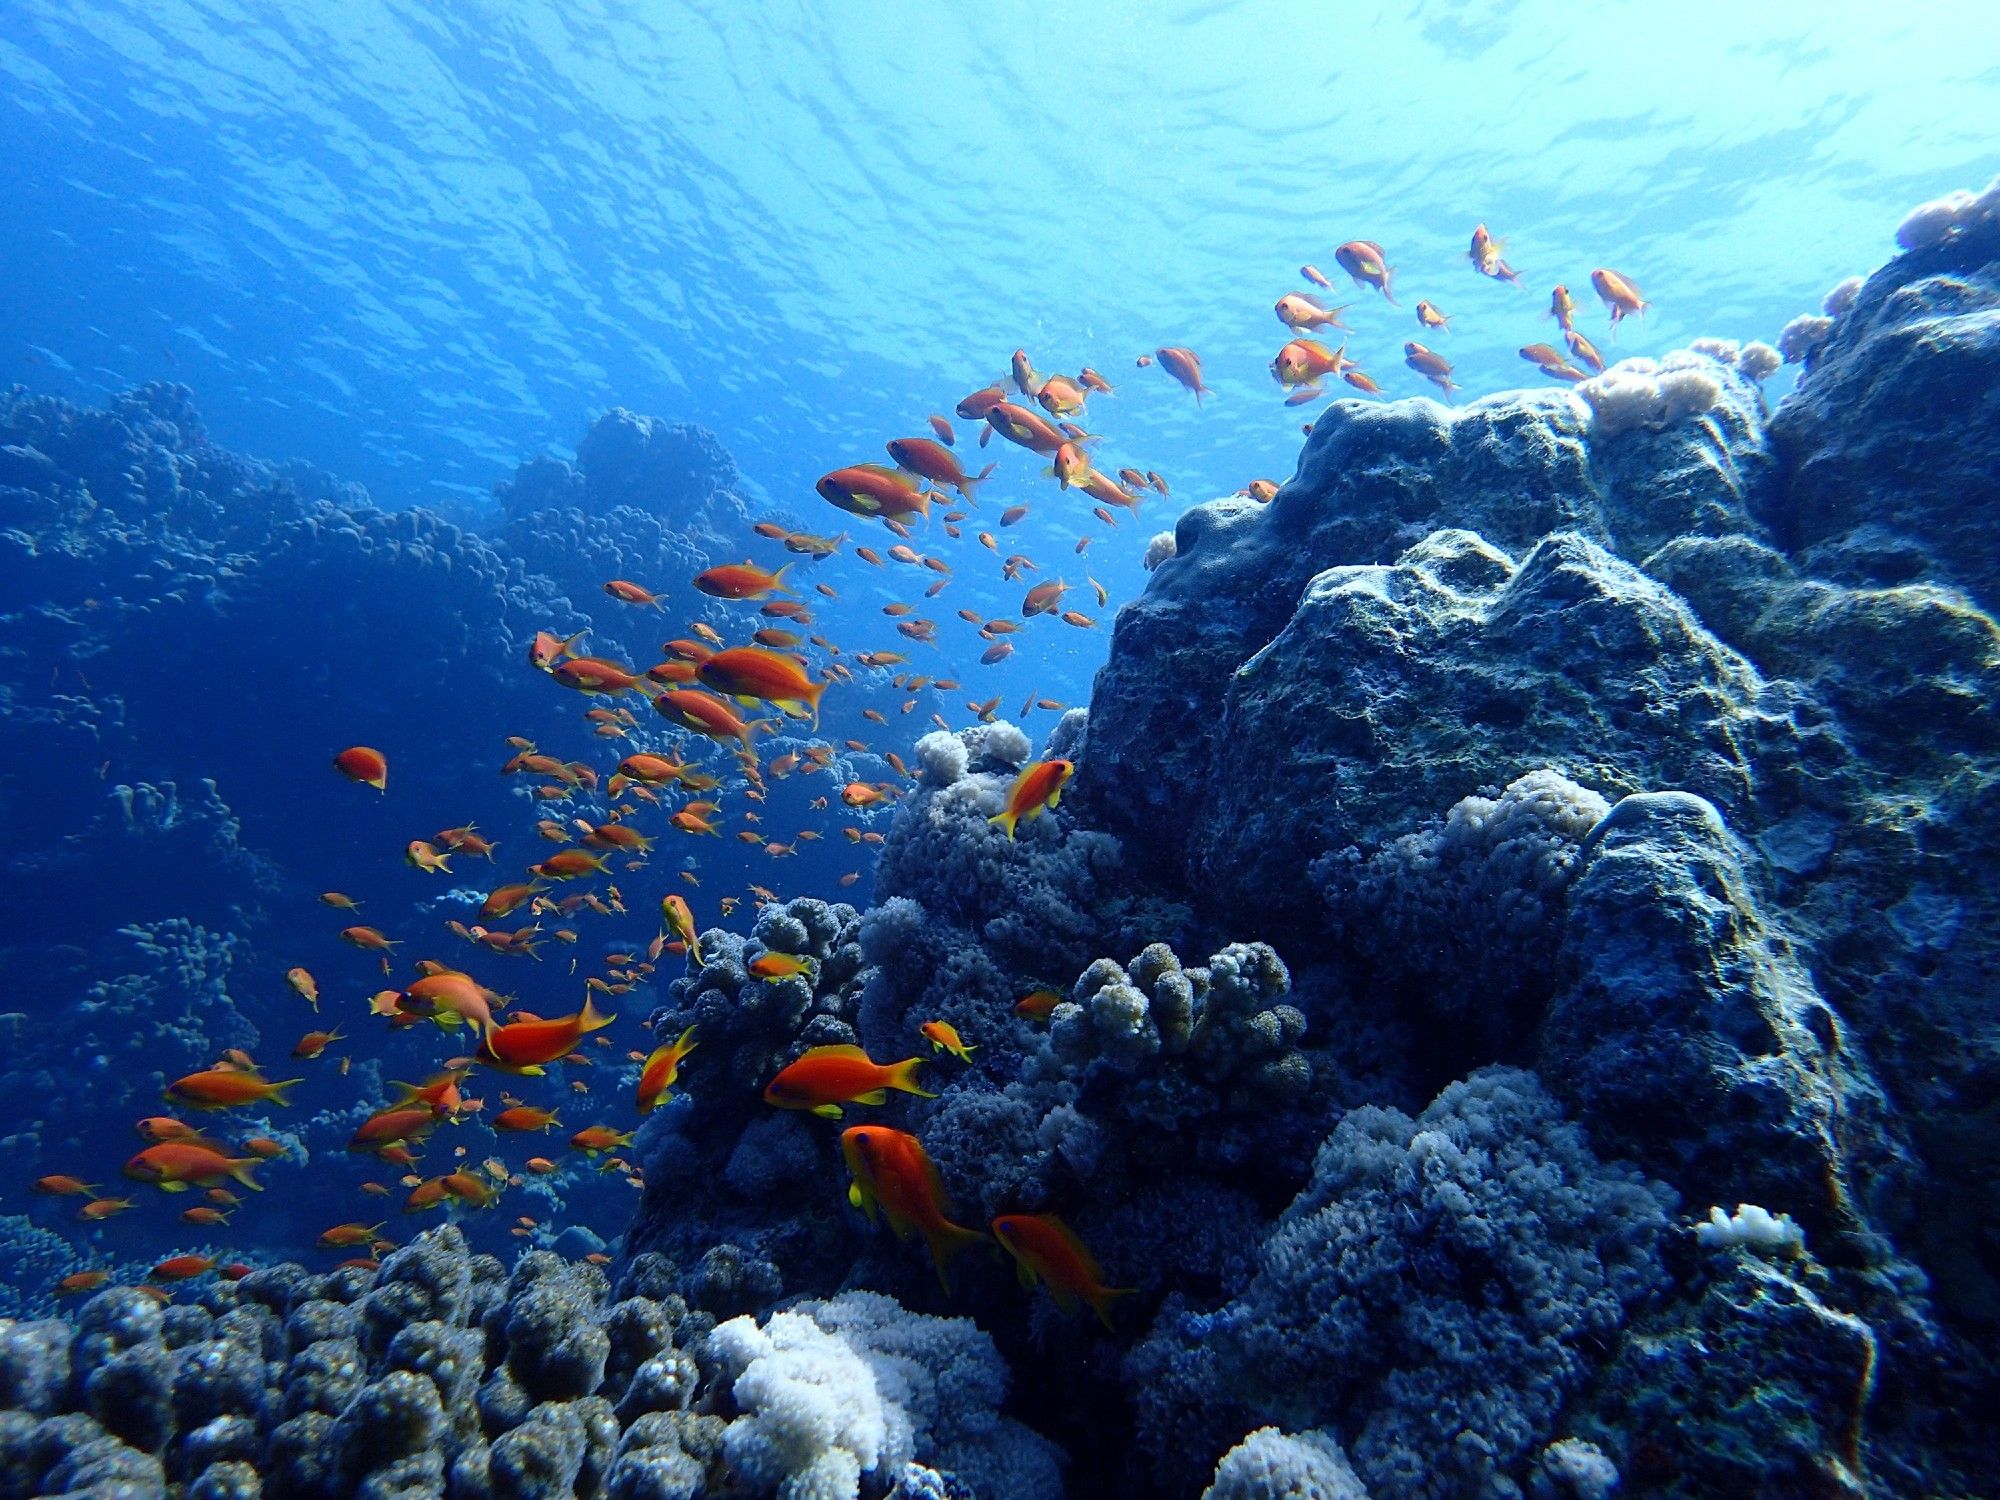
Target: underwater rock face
point(1661, 760)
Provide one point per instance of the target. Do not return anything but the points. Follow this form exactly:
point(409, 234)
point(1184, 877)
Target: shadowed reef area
point(1530, 831)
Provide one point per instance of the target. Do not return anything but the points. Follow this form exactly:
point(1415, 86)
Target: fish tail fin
point(241, 1167)
point(969, 485)
point(947, 1240)
point(1104, 1298)
point(1005, 820)
point(903, 1075)
point(778, 583)
point(280, 1090)
point(593, 1019)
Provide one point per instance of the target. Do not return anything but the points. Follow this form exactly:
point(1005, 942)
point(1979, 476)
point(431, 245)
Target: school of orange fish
point(705, 686)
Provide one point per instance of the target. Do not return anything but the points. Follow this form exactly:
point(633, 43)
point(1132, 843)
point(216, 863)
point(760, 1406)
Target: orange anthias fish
point(744, 580)
point(827, 1077)
point(1299, 311)
point(524, 1046)
point(304, 986)
point(933, 461)
point(1485, 257)
point(1038, 788)
point(228, 1088)
point(975, 407)
point(449, 997)
point(1429, 316)
point(773, 677)
point(1364, 261)
point(1619, 295)
point(871, 490)
point(1037, 1004)
point(1433, 366)
point(1305, 362)
point(627, 592)
point(369, 767)
point(387, 1128)
point(944, 1037)
point(1043, 599)
point(525, 1117)
point(1044, 1249)
point(1185, 366)
point(62, 1185)
point(313, 1043)
point(509, 899)
point(778, 965)
point(593, 674)
point(183, 1267)
point(569, 864)
point(1562, 307)
point(1027, 428)
point(679, 919)
point(597, 1139)
point(892, 1170)
point(1060, 396)
point(547, 648)
point(662, 1070)
point(175, 1165)
point(706, 715)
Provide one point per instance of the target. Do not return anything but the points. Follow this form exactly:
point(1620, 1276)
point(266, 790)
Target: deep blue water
point(415, 244)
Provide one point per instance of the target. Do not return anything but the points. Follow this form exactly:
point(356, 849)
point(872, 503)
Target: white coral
point(941, 758)
point(1751, 1226)
point(1158, 550)
point(1839, 302)
point(1800, 337)
point(1931, 223)
point(1652, 393)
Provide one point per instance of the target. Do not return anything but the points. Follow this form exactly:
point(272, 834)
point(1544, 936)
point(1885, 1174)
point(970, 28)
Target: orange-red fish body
point(705, 715)
point(1185, 366)
point(1037, 1004)
point(1305, 362)
point(1363, 260)
point(1019, 425)
point(522, 1118)
point(933, 461)
point(1045, 1250)
point(1619, 295)
point(1583, 349)
point(944, 1037)
point(1043, 599)
point(392, 1127)
point(569, 864)
point(1562, 307)
point(1038, 788)
point(778, 965)
point(1316, 277)
point(547, 648)
point(679, 919)
point(1026, 381)
point(183, 1267)
point(975, 407)
point(1485, 256)
point(1430, 317)
point(362, 764)
point(593, 674)
point(825, 1078)
point(770, 676)
point(1060, 396)
point(1433, 366)
point(742, 580)
point(662, 1070)
point(177, 1165)
point(627, 592)
point(228, 1088)
point(597, 1139)
point(526, 1046)
point(874, 490)
point(892, 1171)
point(1298, 311)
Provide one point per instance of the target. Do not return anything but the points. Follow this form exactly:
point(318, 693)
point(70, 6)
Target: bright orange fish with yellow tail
point(1044, 1249)
point(891, 1170)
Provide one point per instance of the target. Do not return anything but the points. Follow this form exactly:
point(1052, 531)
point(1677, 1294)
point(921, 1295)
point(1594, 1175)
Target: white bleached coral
point(1652, 393)
point(1839, 301)
point(941, 758)
point(1158, 550)
point(1273, 1465)
point(1931, 223)
point(1805, 333)
point(1749, 1226)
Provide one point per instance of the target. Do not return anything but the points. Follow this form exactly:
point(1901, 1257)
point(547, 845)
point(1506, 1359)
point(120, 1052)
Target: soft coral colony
point(1340, 1085)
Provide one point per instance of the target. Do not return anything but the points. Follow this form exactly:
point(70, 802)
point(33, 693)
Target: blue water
point(414, 244)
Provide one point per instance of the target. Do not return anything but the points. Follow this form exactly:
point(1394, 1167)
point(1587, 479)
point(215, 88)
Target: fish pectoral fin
point(1024, 1274)
point(827, 1111)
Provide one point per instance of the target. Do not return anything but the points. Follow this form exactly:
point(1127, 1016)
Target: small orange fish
point(63, 1186)
point(1298, 311)
point(183, 1267)
point(1314, 275)
point(103, 1208)
point(228, 1088)
point(174, 1165)
point(892, 1171)
point(347, 1236)
point(360, 763)
point(944, 1037)
point(1619, 295)
point(79, 1282)
point(547, 648)
point(744, 580)
point(1363, 260)
point(778, 965)
point(628, 592)
point(1485, 256)
point(525, 1117)
point(313, 1043)
point(424, 856)
point(1185, 366)
point(679, 919)
point(1044, 1249)
point(369, 939)
point(1430, 317)
point(1562, 307)
point(661, 1070)
point(935, 462)
point(825, 1078)
point(1044, 599)
point(205, 1214)
point(523, 1046)
point(1038, 788)
point(597, 1139)
point(338, 900)
point(1433, 366)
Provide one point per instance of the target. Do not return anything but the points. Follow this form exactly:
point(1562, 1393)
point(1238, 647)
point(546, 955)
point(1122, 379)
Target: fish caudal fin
point(903, 1075)
point(591, 1018)
point(241, 1167)
point(280, 1090)
point(1005, 820)
point(947, 1240)
point(1104, 1298)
